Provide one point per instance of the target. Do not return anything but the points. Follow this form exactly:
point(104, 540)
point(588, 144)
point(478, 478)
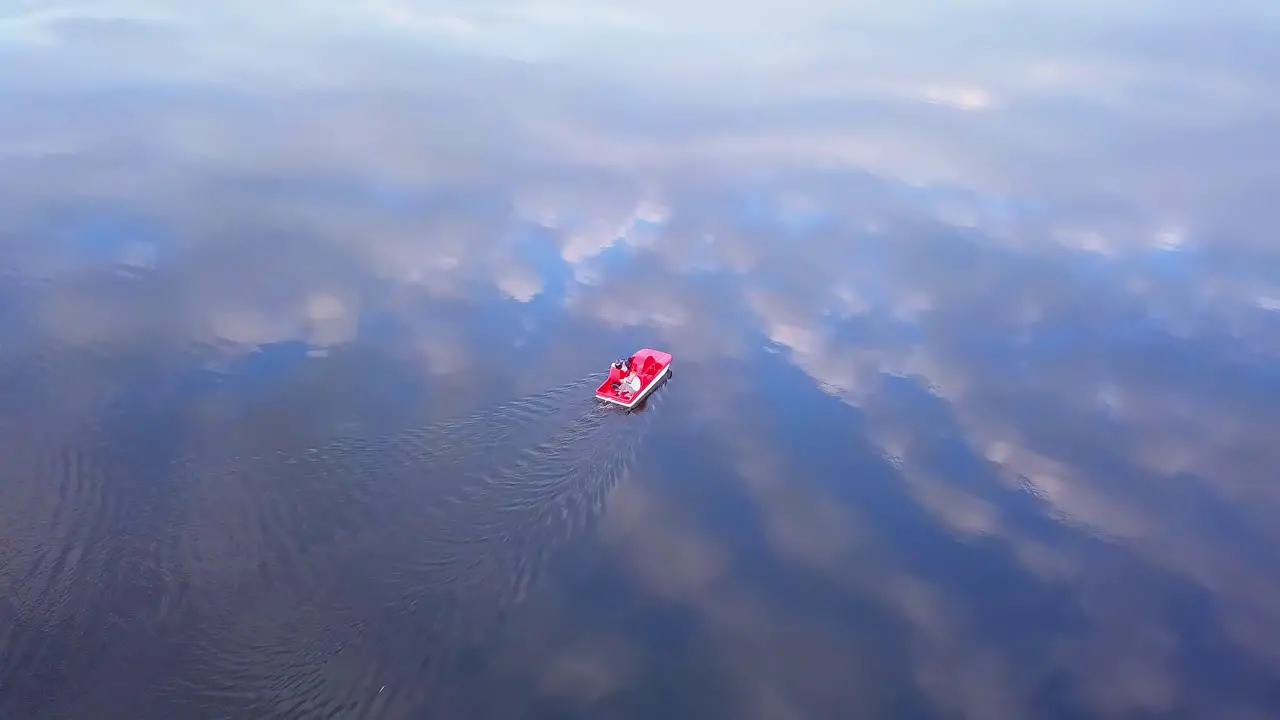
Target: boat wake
point(339, 579)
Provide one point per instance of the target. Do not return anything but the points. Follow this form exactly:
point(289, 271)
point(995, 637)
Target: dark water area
point(975, 317)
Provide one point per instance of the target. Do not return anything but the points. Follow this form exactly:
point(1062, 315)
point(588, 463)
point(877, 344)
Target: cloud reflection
point(978, 340)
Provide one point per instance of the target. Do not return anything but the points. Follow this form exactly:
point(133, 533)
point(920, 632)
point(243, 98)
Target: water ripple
point(441, 529)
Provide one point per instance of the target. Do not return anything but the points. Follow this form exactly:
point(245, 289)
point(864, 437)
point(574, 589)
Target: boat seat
point(650, 367)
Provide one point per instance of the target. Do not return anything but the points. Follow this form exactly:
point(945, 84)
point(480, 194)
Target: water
point(974, 311)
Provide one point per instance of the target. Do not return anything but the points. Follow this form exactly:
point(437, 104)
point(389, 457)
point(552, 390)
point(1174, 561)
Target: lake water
point(975, 311)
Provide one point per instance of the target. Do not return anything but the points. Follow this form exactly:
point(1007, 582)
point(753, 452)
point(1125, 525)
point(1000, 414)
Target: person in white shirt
point(632, 383)
point(627, 379)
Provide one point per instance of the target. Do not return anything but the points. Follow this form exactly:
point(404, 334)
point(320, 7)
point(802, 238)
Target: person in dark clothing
point(623, 378)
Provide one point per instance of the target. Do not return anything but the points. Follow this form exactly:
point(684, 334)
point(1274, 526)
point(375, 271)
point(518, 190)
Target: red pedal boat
point(631, 380)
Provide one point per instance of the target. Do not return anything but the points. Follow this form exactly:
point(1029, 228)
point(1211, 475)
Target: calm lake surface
point(975, 310)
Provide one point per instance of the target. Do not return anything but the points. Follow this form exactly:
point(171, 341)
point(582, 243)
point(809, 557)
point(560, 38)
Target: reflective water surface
point(975, 310)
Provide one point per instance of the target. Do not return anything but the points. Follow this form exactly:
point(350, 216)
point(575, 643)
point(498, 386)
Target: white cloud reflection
point(1045, 230)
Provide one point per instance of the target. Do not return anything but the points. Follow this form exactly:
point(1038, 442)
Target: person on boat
point(623, 377)
point(632, 383)
point(617, 372)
